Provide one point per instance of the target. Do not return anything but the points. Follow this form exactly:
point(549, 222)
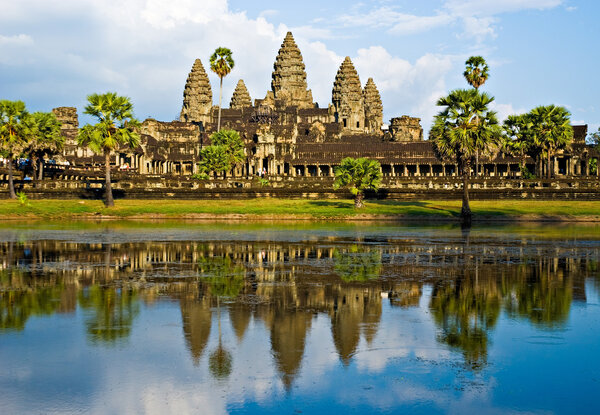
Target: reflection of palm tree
point(21, 298)
point(540, 295)
point(219, 361)
point(357, 264)
point(224, 280)
point(465, 311)
point(111, 312)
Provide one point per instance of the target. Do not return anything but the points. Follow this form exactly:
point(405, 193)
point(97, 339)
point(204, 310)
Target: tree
point(593, 139)
point(359, 175)
point(225, 152)
point(552, 131)
point(518, 138)
point(116, 126)
point(221, 63)
point(45, 140)
point(13, 135)
point(465, 126)
point(476, 73)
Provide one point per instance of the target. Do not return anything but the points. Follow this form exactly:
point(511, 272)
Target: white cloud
point(16, 40)
point(479, 28)
point(493, 7)
point(405, 88)
point(416, 24)
point(398, 23)
point(477, 17)
point(162, 14)
point(504, 110)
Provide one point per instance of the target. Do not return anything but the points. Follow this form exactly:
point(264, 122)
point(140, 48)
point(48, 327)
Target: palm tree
point(465, 126)
point(225, 153)
point(476, 73)
point(116, 126)
point(359, 175)
point(221, 63)
point(45, 140)
point(13, 136)
point(518, 138)
point(551, 129)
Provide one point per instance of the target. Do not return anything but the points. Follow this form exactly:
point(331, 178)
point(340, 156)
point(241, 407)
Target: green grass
point(300, 208)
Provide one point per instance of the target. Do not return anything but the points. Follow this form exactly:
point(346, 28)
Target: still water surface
point(321, 318)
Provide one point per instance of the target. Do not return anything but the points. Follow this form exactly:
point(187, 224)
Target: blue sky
point(54, 53)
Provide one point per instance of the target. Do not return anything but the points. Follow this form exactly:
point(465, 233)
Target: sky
point(56, 52)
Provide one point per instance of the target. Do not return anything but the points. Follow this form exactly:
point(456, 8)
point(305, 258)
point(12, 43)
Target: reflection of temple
point(286, 284)
point(289, 135)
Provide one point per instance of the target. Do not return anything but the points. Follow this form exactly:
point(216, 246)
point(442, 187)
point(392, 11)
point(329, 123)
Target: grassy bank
point(302, 209)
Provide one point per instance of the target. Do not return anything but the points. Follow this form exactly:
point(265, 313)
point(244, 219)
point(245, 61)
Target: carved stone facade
point(241, 97)
point(406, 128)
point(197, 96)
point(288, 83)
point(347, 98)
point(67, 116)
point(373, 108)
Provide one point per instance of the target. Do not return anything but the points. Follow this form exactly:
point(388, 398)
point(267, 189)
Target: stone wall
point(406, 128)
point(89, 185)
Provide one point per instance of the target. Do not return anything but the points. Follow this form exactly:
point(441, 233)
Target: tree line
point(467, 127)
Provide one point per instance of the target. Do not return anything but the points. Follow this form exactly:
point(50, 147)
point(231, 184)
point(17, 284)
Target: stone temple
point(289, 135)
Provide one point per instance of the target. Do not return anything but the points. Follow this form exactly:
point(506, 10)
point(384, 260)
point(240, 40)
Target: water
point(172, 317)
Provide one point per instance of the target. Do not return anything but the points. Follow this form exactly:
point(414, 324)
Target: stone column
point(587, 168)
point(418, 171)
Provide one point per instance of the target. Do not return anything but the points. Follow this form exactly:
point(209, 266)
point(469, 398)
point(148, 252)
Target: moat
point(186, 317)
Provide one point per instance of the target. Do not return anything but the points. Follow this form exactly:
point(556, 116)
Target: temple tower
point(241, 97)
point(347, 98)
point(373, 108)
point(289, 76)
point(197, 96)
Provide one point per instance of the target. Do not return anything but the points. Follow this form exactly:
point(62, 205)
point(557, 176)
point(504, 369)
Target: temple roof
point(197, 95)
point(289, 75)
point(373, 105)
point(241, 97)
point(347, 94)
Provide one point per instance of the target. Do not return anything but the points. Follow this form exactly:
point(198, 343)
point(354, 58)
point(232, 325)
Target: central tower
point(289, 76)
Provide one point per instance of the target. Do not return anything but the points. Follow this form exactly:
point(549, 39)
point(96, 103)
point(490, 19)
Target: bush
point(22, 198)
point(526, 174)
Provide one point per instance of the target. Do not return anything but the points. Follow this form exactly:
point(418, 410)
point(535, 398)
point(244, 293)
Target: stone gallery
point(287, 134)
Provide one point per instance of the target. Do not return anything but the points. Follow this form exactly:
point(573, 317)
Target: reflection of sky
point(51, 368)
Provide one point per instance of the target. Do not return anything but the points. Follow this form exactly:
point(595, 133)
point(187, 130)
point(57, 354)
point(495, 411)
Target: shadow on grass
point(417, 207)
point(411, 208)
point(332, 204)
